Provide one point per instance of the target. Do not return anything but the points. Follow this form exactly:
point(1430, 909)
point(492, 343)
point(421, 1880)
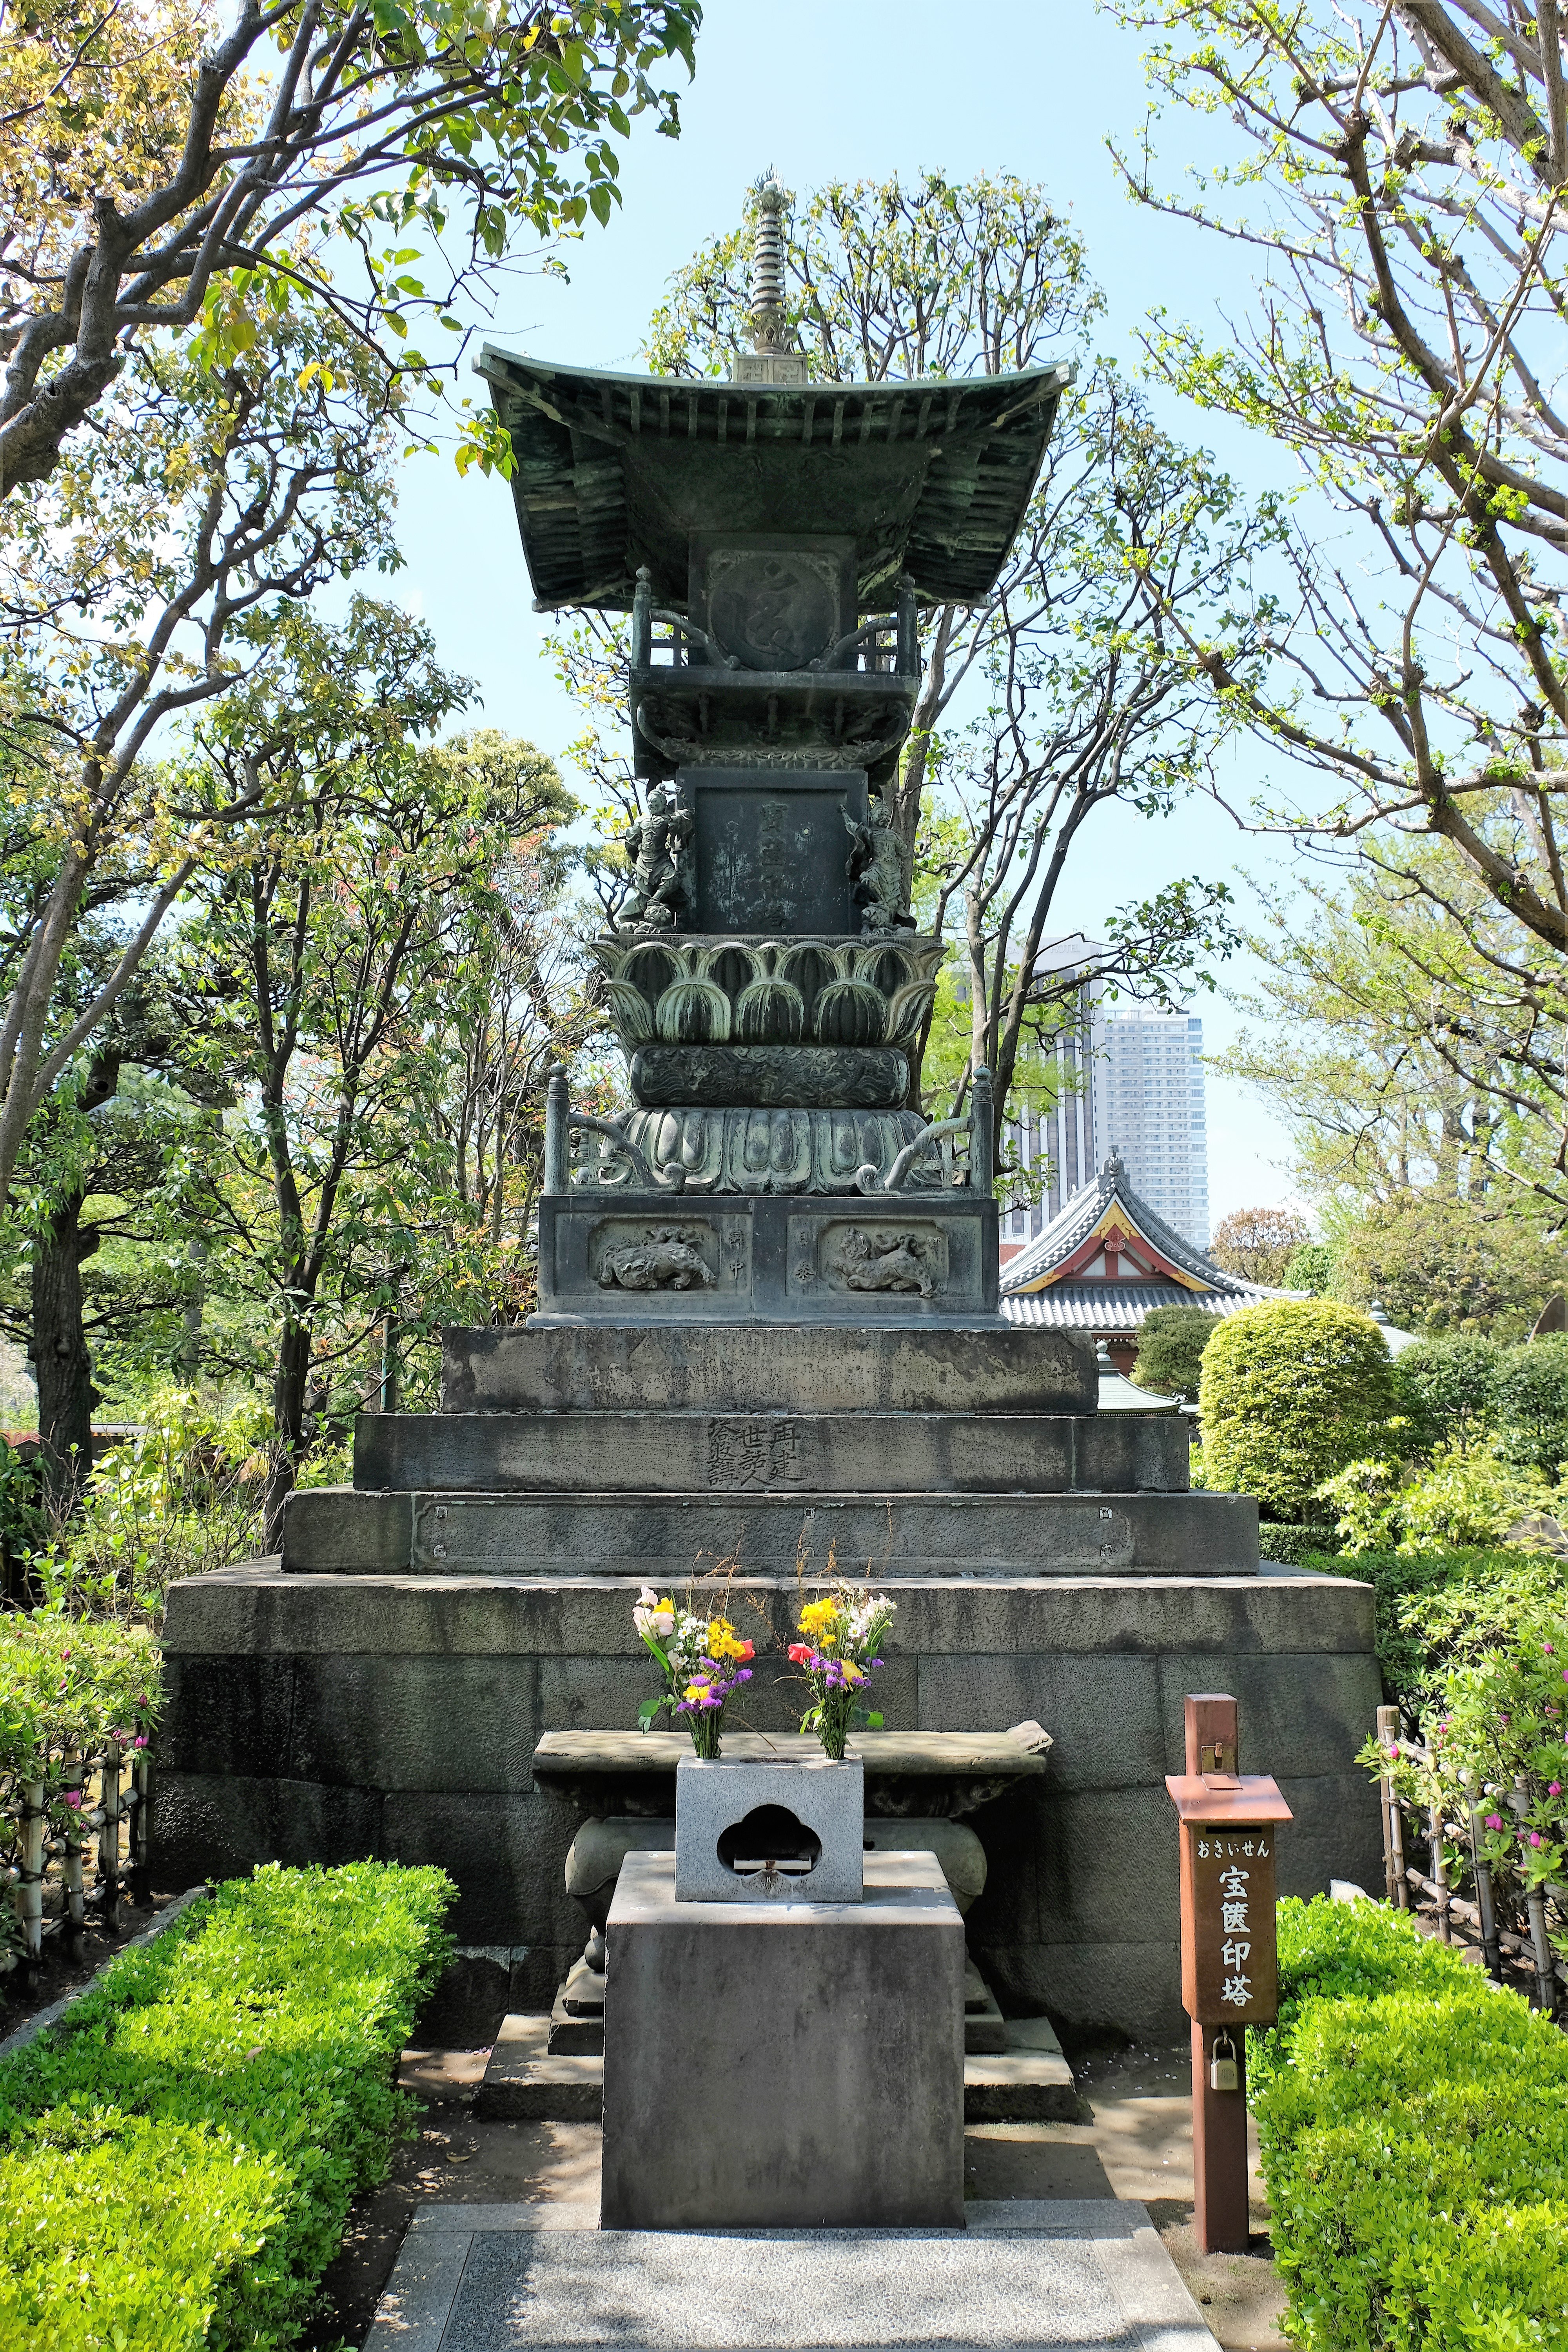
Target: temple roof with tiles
point(1106, 1260)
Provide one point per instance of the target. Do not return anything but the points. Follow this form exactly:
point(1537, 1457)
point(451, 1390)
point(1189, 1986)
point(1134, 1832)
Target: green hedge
point(1413, 2123)
point(1405, 1653)
point(177, 2168)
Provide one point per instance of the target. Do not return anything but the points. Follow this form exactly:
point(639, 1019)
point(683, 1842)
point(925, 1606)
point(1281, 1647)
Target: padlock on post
point(1224, 2073)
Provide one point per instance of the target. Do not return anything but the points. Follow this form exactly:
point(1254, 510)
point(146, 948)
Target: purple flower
point(73, 1797)
point(140, 1741)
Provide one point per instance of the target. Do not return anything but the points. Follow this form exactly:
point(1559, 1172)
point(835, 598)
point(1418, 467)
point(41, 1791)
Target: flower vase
point(706, 1724)
point(833, 1728)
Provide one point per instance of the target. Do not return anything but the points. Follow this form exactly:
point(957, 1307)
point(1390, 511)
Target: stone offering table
point(937, 1775)
point(785, 2067)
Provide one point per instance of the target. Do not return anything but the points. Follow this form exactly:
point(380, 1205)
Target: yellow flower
point(818, 1615)
point(851, 1672)
point(698, 1691)
point(723, 1642)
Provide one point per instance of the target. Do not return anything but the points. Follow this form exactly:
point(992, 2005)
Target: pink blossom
point(140, 1741)
point(1494, 1821)
point(73, 1797)
point(1393, 1753)
point(1554, 1787)
point(1535, 1837)
point(1549, 1647)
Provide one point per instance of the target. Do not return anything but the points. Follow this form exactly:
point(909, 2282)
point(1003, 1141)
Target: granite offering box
point(750, 1831)
point(785, 2065)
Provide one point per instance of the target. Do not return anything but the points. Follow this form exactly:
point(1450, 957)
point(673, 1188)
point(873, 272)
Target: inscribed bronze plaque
point(1229, 1959)
point(772, 851)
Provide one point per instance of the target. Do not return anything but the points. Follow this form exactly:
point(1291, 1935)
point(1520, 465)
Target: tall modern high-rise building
point(1151, 1079)
point(1114, 1074)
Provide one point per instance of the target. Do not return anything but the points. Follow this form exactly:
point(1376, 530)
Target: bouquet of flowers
point(842, 1633)
point(702, 1660)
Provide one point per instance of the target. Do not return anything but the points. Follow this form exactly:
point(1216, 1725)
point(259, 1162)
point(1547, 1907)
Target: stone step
point(846, 1453)
point(526, 2081)
point(1087, 2276)
point(984, 1367)
point(984, 2027)
point(654, 1537)
point(577, 2020)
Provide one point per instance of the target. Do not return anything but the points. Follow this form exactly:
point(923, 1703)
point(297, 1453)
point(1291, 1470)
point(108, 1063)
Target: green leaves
point(1412, 2124)
point(223, 2096)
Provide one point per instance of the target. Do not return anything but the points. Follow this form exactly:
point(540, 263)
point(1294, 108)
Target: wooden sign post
point(1228, 1958)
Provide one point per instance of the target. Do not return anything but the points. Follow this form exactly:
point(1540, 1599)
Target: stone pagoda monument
point(768, 1333)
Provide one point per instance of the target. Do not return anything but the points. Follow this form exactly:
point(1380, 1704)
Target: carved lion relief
point(666, 1257)
point(882, 1261)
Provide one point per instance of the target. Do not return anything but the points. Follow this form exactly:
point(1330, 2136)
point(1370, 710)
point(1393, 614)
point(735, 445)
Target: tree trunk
point(289, 1385)
point(60, 1359)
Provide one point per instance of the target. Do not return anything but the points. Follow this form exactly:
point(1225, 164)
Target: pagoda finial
point(768, 325)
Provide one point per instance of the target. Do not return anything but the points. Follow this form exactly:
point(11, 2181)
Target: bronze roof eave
point(583, 535)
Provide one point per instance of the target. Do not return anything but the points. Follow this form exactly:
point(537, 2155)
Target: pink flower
point(1554, 1787)
point(1494, 1821)
point(140, 1741)
point(73, 1797)
point(1393, 1753)
point(1549, 1647)
point(1535, 1837)
point(1502, 1718)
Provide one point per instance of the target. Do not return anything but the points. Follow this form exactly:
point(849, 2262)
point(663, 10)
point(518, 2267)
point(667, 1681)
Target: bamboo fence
point(1510, 1929)
point(71, 1864)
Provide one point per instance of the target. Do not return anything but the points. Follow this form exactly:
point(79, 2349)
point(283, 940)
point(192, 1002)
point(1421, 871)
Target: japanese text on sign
point(1231, 1966)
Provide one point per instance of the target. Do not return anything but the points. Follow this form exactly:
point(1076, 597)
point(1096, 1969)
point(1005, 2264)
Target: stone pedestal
point(794, 2067)
point(781, 1832)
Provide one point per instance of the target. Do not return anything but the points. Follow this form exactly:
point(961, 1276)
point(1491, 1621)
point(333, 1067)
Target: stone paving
point(523, 2277)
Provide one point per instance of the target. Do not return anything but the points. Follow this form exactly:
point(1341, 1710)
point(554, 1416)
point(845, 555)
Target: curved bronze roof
point(930, 477)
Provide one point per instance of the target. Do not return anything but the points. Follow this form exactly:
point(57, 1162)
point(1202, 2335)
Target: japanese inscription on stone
point(1229, 1962)
point(754, 1450)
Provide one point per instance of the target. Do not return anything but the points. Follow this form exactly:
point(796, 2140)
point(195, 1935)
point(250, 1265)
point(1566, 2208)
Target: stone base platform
point(336, 1530)
point(321, 1718)
point(1078, 2276)
point(902, 1366)
point(663, 1452)
point(1026, 2081)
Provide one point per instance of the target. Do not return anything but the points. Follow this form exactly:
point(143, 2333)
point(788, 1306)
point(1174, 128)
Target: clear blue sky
point(859, 91)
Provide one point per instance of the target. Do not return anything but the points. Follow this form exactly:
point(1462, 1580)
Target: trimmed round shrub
point(1171, 1343)
point(1532, 1402)
point(1290, 1392)
point(1447, 1390)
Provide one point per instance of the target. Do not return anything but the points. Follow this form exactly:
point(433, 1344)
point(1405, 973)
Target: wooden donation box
point(1228, 1831)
